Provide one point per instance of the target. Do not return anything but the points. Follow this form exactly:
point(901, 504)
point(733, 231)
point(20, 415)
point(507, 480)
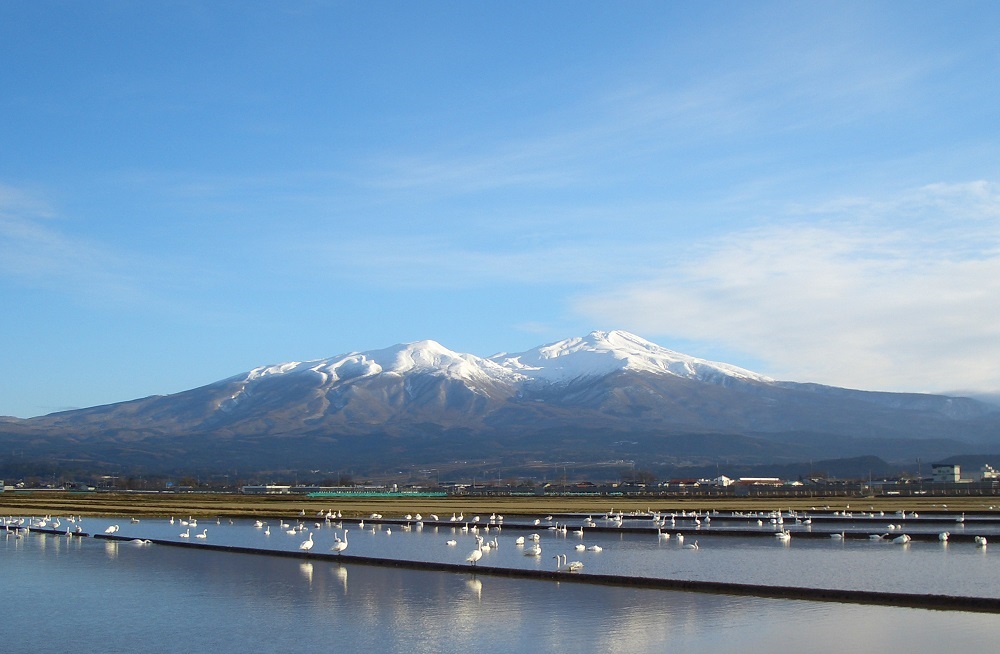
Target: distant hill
point(585, 402)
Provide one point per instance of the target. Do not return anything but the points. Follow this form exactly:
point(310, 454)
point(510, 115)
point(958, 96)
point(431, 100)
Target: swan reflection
point(306, 568)
point(341, 573)
point(476, 586)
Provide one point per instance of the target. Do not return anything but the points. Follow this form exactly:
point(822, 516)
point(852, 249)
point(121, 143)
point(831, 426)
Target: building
point(946, 473)
point(267, 489)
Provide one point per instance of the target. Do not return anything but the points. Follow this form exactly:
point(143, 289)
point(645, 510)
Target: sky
point(189, 190)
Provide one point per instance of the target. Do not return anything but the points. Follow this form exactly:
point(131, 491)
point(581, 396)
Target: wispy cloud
point(900, 293)
point(35, 252)
point(41, 249)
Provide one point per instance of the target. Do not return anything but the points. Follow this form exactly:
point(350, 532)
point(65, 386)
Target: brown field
point(234, 505)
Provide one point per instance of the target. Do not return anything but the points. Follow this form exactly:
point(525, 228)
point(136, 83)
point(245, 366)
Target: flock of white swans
point(481, 529)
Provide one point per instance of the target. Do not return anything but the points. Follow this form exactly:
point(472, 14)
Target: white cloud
point(899, 294)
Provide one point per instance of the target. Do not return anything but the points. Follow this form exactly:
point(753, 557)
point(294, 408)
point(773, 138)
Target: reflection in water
point(476, 586)
point(306, 568)
point(234, 602)
point(341, 573)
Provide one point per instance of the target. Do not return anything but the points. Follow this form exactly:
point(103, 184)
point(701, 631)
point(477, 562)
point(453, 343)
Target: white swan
point(186, 534)
point(475, 554)
point(595, 548)
point(340, 545)
point(691, 546)
point(203, 534)
point(307, 545)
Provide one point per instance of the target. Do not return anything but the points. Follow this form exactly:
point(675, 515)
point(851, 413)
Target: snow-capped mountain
point(596, 355)
point(600, 396)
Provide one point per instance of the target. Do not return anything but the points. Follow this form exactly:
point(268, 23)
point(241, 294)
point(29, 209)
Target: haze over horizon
point(808, 191)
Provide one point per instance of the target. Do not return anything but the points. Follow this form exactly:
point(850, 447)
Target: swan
point(680, 537)
point(307, 545)
point(536, 550)
point(112, 529)
point(340, 545)
point(691, 546)
point(839, 536)
point(186, 534)
point(901, 540)
point(267, 532)
point(595, 548)
point(475, 554)
point(580, 547)
point(519, 540)
point(943, 536)
point(451, 542)
point(662, 535)
point(980, 541)
point(563, 564)
point(203, 534)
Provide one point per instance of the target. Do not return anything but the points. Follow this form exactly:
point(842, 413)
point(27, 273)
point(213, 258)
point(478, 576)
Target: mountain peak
point(597, 354)
point(601, 353)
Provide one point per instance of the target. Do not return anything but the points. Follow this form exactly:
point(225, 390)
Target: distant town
point(945, 480)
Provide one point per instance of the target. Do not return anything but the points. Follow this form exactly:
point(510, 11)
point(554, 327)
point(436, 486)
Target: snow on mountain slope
point(601, 353)
point(420, 357)
point(595, 355)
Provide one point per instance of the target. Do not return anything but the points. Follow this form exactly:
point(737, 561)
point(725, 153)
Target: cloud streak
point(844, 299)
point(34, 253)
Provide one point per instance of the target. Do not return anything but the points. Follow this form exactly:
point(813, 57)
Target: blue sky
point(189, 190)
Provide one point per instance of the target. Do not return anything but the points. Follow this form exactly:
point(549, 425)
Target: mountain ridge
point(587, 397)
